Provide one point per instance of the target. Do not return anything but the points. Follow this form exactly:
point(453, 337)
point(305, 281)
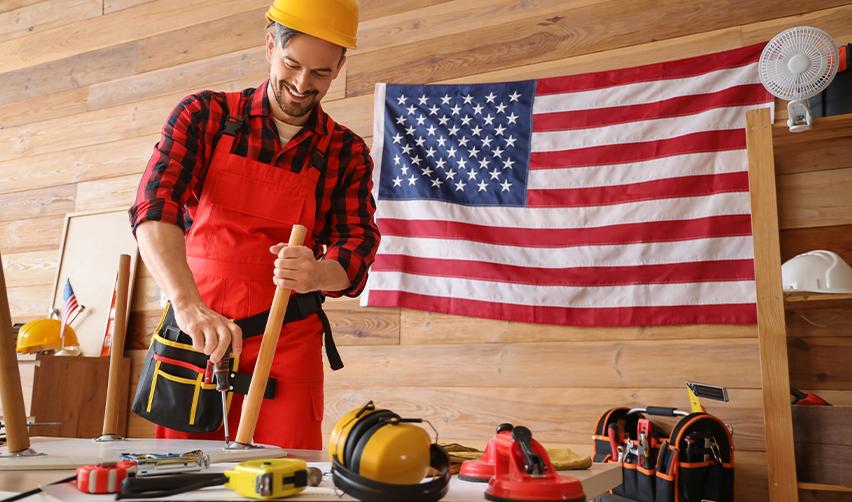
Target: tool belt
point(175, 389)
point(692, 463)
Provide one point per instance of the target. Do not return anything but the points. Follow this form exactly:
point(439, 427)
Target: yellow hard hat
point(334, 21)
point(43, 334)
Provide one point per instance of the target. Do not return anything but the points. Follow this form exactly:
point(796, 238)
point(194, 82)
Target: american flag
point(611, 198)
point(71, 305)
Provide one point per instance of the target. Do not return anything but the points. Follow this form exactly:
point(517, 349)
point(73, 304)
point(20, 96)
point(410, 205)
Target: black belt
point(299, 307)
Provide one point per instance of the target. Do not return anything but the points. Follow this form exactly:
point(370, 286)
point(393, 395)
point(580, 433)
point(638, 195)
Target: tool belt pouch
point(175, 389)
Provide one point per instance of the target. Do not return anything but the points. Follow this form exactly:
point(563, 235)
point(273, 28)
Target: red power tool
point(521, 470)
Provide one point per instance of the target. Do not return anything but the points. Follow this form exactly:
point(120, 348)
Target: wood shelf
point(824, 487)
point(801, 301)
point(824, 128)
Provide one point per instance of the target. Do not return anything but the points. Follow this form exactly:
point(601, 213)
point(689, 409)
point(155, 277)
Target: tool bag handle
point(659, 411)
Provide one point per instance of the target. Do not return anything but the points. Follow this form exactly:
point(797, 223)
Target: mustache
point(292, 88)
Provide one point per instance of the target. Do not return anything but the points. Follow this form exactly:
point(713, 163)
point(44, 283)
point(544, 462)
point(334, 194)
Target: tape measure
point(269, 479)
point(103, 478)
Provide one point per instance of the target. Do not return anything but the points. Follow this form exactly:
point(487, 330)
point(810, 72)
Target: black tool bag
point(176, 388)
point(695, 462)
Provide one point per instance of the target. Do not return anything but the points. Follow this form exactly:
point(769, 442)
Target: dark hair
point(282, 34)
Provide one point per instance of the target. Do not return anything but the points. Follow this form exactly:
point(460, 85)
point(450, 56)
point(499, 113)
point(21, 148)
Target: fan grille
point(812, 49)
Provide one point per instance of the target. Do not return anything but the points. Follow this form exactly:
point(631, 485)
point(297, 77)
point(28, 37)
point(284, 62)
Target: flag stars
point(483, 163)
point(501, 108)
point(416, 160)
point(431, 129)
point(443, 120)
point(451, 174)
point(404, 169)
point(453, 130)
point(407, 149)
point(498, 131)
point(460, 185)
point(420, 141)
point(434, 110)
point(440, 163)
point(409, 131)
point(411, 109)
point(510, 141)
point(445, 99)
point(396, 160)
point(477, 110)
point(412, 180)
point(462, 163)
point(508, 163)
point(495, 174)
point(476, 130)
point(427, 171)
point(482, 185)
point(497, 152)
point(467, 99)
point(466, 120)
point(488, 119)
point(421, 120)
point(401, 100)
point(400, 120)
point(473, 152)
point(471, 174)
point(397, 138)
point(442, 141)
point(451, 152)
point(486, 141)
point(431, 152)
point(513, 98)
point(423, 100)
point(456, 109)
point(397, 182)
point(463, 141)
point(512, 118)
point(436, 182)
point(490, 98)
point(505, 186)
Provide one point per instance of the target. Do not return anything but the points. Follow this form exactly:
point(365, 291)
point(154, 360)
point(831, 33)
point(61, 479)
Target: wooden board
point(815, 199)
point(91, 245)
point(68, 453)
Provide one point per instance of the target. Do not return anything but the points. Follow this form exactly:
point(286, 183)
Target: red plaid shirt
point(171, 185)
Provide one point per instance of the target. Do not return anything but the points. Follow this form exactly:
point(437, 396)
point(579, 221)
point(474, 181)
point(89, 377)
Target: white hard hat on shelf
point(817, 271)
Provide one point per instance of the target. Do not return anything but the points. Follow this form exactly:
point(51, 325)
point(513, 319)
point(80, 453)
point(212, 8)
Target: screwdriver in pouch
point(221, 372)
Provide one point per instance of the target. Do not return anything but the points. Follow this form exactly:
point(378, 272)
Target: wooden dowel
point(116, 351)
point(14, 414)
point(254, 398)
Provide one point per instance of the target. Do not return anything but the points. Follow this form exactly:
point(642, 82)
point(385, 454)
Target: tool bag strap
point(299, 307)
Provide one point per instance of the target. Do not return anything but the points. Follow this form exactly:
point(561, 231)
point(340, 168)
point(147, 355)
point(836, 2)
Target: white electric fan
point(796, 64)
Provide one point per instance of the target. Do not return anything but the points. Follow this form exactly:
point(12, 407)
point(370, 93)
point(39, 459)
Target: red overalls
point(245, 207)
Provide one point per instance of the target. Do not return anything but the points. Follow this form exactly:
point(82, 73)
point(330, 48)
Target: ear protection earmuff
point(379, 456)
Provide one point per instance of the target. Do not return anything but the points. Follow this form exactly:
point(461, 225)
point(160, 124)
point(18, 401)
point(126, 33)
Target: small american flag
point(71, 306)
point(610, 198)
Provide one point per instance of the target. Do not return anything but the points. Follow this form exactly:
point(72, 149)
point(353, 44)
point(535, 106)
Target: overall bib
point(245, 207)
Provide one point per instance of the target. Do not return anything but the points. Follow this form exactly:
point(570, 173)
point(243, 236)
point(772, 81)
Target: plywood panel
point(79, 164)
point(837, 238)
point(30, 235)
point(58, 104)
point(111, 6)
point(29, 269)
point(475, 412)
point(371, 9)
point(818, 323)
point(40, 202)
point(815, 199)
point(571, 31)
point(429, 328)
point(821, 363)
point(7, 5)
point(730, 362)
point(831, 154)
point(45, 15)
point(125, 26)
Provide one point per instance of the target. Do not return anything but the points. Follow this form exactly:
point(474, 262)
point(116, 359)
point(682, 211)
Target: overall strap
point(233, 122)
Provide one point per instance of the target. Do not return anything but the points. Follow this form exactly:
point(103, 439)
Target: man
point(235, 172)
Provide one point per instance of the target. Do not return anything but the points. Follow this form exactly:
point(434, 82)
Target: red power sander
point(517, 468)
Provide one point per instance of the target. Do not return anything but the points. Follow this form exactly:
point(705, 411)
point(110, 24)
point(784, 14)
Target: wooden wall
point(85, 86)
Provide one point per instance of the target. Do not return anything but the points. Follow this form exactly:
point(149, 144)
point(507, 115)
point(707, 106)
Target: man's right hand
point(210, 331)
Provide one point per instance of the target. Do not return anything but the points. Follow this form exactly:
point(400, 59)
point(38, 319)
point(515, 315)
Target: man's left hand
point(296, 268)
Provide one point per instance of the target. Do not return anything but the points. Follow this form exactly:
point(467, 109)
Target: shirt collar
point(318, 122)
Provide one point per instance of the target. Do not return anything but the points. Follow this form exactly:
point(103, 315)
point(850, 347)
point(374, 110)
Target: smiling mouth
point(294, 93)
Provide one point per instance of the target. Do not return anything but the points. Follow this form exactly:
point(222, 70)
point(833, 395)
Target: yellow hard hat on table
point(43, 334)
point(334, 21)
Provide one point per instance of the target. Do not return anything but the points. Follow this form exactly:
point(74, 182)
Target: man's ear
point(270, 47)
point(339, 66)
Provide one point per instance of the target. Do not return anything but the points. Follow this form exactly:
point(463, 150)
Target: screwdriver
point(221, 372)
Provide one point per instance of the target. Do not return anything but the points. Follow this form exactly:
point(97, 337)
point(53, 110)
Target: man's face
point(301, 72)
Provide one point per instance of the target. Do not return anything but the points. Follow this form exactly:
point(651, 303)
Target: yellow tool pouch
point(176, 389)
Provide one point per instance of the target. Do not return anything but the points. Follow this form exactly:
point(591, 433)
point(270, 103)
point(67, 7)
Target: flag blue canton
point(467, 144)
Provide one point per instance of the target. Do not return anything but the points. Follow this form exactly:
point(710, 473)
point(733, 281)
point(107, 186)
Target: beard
point(288, 105)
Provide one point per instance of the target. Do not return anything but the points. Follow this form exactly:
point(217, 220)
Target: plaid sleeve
point(176, 166)
point(354, 236)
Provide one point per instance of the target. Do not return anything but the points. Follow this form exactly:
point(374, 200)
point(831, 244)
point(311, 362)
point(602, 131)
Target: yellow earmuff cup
point(396, 454)
point(342, 428)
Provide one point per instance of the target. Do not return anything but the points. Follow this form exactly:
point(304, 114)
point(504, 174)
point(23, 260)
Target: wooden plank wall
point(85, 86)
